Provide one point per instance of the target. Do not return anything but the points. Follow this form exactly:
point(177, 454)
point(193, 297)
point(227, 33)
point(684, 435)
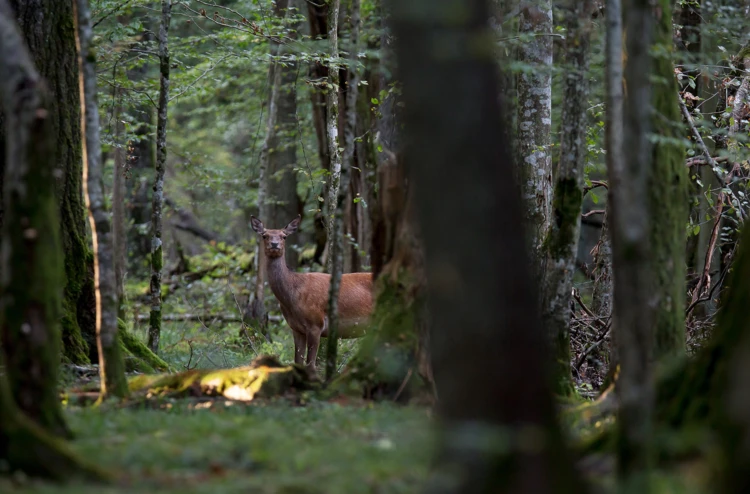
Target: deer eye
point(265, 235)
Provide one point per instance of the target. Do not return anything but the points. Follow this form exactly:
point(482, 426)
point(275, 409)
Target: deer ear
point(257, 225)
point(293, 225)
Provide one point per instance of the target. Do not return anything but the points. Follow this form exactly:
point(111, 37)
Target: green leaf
point(696, 229)
point(374, 101)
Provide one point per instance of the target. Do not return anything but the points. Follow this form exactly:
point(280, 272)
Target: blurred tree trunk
point(483, 308)
point(534, 121)
point(613, 137)
point(634, 279)
point(31, 257)
point(561, 243)
point(157, 254)
point(668, 197)
point(111, 366)
point(283, 202)
point(49, 32)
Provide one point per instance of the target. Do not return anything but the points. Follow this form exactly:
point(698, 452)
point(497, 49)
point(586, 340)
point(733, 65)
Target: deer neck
point(280, 278)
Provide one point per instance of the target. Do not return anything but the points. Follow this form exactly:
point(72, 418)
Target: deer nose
point(274, 245)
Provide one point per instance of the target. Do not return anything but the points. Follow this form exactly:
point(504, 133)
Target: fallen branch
point(701, 160)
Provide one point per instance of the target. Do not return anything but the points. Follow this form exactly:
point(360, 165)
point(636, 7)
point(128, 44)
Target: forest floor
point(221, 446)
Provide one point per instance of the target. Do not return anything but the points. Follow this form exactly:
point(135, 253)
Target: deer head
point(273, 240)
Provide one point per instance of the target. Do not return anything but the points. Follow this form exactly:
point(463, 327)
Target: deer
point(304, 296)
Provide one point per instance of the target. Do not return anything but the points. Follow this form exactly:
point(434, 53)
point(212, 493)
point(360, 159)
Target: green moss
point(157, 260)
point(567, 202)
point(668, 194)
point(75, 350)
point(388, 351)
point(137, 355)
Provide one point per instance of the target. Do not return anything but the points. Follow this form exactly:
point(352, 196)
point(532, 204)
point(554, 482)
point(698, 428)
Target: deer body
point(304, 297)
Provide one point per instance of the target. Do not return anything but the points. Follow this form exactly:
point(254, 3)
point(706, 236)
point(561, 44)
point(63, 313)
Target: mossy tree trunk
point(157, 254)
point(111, 367)
point(332, 125)
point(483, 308)
point(668, 197)
point(49, 32)
point(561, 242)
point(31, 256)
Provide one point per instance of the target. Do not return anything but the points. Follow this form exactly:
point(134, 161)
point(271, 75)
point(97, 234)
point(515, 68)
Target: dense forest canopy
point(279, 235)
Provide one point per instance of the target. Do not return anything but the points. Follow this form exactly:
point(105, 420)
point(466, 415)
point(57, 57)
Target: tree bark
point(32, 264)
point(535, 123)
point(119, 237)
point(257, 310)
point(668, 197)
point(283, 202)
point(332, 124)
point(483, 308)
point(157, 259)
point(49, 32)
point(337, 233)
point(633, 310)
point(111, 366)
point(561, 243)
point(613, 137)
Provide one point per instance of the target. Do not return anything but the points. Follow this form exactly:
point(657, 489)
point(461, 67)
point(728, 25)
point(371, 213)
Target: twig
point(591, 348)
point(707, 154)
point(592, 212)
point(403, 384)
point(701, 160)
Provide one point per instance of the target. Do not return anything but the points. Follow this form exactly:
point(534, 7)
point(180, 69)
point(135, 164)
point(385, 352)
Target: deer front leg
point(299, 347)
point(313, 342)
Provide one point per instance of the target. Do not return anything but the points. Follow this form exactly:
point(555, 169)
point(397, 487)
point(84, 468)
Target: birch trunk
point(154, 329)
point(332, 124)
point(30, 246)
point(482, 308)
point(337, 232)
point(111, 365)
point(561, 243)
point(534, 117)
point(631, 250)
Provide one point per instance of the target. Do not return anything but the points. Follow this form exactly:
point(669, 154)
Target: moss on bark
point(668, 199)
point(138, 357)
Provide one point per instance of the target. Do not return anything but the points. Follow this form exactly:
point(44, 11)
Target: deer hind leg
point(299, 347)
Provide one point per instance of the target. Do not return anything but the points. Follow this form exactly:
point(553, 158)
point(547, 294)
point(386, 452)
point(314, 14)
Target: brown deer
point(304, 296)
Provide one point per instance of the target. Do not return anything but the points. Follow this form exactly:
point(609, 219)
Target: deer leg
point(300, 341)
point(313, 342)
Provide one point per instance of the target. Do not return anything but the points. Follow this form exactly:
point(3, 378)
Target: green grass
point(271, 448)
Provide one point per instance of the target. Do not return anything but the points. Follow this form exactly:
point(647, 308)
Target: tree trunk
point(535, 123)
point(49, 32)
point(668, 198)
point(332, 125)
point(283, 202)
point(483, 308)
point(633, 310)
point(561, 243)
point(111, 367)
point(31, 254)
point(613, 137)
point(337, 250)
point(257, 310)
point(317, 13)
point(119, 238)
point(157, 256)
